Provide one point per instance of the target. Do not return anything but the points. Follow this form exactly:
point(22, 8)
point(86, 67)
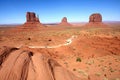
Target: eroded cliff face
point(31, 17)
point(23, 64)
point(96, 17)
point(32, 20)
point(95, 20)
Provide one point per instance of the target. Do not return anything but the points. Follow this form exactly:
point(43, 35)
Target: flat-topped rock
point(95, 20)
point(96, 17)
point(31, 17)
point(32, 20)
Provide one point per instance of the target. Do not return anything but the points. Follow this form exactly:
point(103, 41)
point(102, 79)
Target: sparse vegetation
point(101, 60)
point(82, 72)
point(98, 74)
point(99, 65)
point(74, 69)
point(86, 52)
point(105, 78)
point(104, 68)
point(111, 70)
point(66, 64)
point(29, 38)
point(90, 62)
point(110, 63)
point(78, 59)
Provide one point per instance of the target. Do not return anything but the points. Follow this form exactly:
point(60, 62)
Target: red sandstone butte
point(32, 20)
point(31, 17)
point(95, 20)
point(64, 22)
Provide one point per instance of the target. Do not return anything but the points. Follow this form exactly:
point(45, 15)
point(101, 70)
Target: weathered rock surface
point(32, 20)
point(4, 52)
point(95, 20)
point(31, 17)
point(64, 22)
point(22, 64)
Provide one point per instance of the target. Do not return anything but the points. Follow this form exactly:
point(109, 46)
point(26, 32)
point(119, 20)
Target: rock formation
point(31, 17)
point(95, 20)
point(22, 64)
point(64, 22)
point(32, 20)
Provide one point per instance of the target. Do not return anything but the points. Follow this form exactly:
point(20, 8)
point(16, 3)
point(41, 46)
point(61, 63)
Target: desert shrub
point(78, 59)
point(111, 70)
point(74, 69)
point(29, 38)
point(90, 62)
point(98, 74)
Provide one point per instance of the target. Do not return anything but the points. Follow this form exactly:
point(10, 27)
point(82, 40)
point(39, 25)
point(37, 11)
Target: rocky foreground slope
point(23, 64)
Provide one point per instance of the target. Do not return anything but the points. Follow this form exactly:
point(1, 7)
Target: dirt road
point(67, 42)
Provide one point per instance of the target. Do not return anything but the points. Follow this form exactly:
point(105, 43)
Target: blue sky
point(50, 11)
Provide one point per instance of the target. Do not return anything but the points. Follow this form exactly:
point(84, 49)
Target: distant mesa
point(95, 20)
point(64, 22)
point(32, 20)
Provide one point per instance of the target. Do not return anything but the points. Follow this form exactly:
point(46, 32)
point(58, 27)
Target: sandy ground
point(93, 55)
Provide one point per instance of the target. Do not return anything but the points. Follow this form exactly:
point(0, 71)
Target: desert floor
point(93, 53)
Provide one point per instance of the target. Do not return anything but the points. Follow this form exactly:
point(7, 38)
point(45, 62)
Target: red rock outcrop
point(64, 22)
point(22, 64)
point(31, 17)
point(95, 20)
point(32, 20)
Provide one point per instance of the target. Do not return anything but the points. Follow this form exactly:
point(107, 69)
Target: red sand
point(93, 55)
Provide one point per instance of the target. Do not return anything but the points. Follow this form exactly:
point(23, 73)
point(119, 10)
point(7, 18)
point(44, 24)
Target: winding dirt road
point(68, 42)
